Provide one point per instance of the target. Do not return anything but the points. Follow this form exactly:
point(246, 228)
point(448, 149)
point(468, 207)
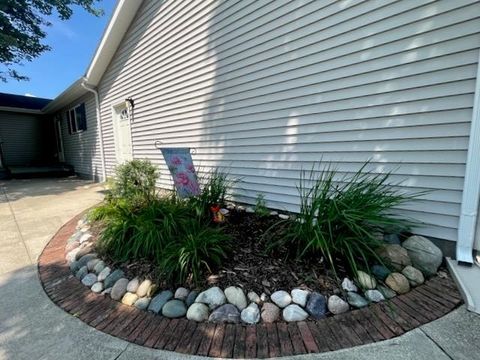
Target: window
point(124, 114)
point(76, 119)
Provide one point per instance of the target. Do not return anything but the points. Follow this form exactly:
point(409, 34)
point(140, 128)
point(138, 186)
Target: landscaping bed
point(270, 288)
point(248, 266)
point(376, 322)
point(206, 259)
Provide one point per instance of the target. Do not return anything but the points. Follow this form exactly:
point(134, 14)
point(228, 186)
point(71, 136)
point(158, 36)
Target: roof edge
point(73, 92)
point(122, 17)
point(21, 110)
point(118, 25)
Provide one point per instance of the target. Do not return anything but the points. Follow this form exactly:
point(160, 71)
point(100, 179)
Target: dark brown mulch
point(248, 264)
point(252, 268)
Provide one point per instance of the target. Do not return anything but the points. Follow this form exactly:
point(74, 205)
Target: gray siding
point(265, 88)
point(22, 138)
point(82, 150)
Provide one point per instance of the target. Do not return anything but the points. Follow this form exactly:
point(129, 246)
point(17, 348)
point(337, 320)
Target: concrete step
point(4, 174)
point(27, 172)
point(467, 279)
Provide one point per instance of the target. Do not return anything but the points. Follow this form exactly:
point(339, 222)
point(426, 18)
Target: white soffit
point(72, 93)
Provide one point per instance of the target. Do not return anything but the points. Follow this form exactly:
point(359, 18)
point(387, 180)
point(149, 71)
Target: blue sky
point(73, 43)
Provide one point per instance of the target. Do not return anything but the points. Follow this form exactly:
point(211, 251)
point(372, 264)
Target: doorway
point(122, 133)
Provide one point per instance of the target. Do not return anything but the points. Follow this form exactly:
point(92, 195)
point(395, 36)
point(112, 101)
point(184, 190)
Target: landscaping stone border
point(377, 322)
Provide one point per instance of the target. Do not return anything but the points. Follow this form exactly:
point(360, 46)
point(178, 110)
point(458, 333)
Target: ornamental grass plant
point(167, 233)
point(194, 253)
point(142, 232)
point(341, 216)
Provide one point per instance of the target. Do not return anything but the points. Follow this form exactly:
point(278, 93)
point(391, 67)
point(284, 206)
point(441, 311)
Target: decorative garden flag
point(180, 164)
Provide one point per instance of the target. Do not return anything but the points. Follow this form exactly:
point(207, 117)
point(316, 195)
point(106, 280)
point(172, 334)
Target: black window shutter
point(73, 123)
point(81, 117)
point(69, 122)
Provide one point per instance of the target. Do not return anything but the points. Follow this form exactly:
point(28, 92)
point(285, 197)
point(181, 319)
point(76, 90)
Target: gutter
point(73, 92)
point(99, 125)
point(471, 188)
point(21, 110)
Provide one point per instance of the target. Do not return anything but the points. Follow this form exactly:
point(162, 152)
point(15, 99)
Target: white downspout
point(99, 126)
point(471, 187)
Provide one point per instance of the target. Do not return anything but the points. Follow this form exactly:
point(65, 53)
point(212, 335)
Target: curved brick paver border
point(375, 323)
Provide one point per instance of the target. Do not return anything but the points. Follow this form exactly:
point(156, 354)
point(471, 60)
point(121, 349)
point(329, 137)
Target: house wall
point(26, 138)
point(266, 88)
point(82, 150)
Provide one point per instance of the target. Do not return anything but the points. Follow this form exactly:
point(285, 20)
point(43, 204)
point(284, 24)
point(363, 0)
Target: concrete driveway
point(32, 327)
point(31, 211)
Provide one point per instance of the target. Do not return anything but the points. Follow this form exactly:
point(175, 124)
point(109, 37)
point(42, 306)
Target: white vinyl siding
point(82, 149)
point(266, 88)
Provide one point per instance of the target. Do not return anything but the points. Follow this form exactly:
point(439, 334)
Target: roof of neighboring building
point(22, 102)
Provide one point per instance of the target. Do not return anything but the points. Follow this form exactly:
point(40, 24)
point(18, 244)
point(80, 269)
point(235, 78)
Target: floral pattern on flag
point(180, 164)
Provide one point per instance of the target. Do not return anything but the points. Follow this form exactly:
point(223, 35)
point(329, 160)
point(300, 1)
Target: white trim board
point(471, 188)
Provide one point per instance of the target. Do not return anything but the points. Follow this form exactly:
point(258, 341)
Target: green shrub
point(134, 181)
point(194, 253)
point(261, 206)
point(340, 219)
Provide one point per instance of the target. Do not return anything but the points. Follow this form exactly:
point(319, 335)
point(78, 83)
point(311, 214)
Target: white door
point(123, 135)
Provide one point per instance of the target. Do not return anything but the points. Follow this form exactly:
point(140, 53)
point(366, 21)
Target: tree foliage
point(22, 29)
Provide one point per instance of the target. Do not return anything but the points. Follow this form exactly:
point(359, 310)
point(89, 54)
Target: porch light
point(130, 105)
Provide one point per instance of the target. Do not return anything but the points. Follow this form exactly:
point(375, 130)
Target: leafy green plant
point(105, 211)
point(135, 181)
point(194, 253)
point(215, 185)
point(261, 206)
point(165, 231)
point(111, 208)
point(144, 232)
point(340, 216)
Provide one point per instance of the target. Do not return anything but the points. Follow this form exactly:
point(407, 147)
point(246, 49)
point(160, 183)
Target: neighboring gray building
point(26, 134)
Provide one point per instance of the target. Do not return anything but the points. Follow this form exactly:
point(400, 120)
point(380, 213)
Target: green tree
point(22, 29)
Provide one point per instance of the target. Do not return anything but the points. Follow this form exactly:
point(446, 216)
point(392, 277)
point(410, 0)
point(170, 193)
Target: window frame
point(73, 124)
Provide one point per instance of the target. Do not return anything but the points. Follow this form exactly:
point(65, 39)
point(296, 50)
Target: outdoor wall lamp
point(130, 104)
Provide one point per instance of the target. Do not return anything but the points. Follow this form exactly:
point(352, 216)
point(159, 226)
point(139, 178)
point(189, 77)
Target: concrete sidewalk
point(32, 327)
